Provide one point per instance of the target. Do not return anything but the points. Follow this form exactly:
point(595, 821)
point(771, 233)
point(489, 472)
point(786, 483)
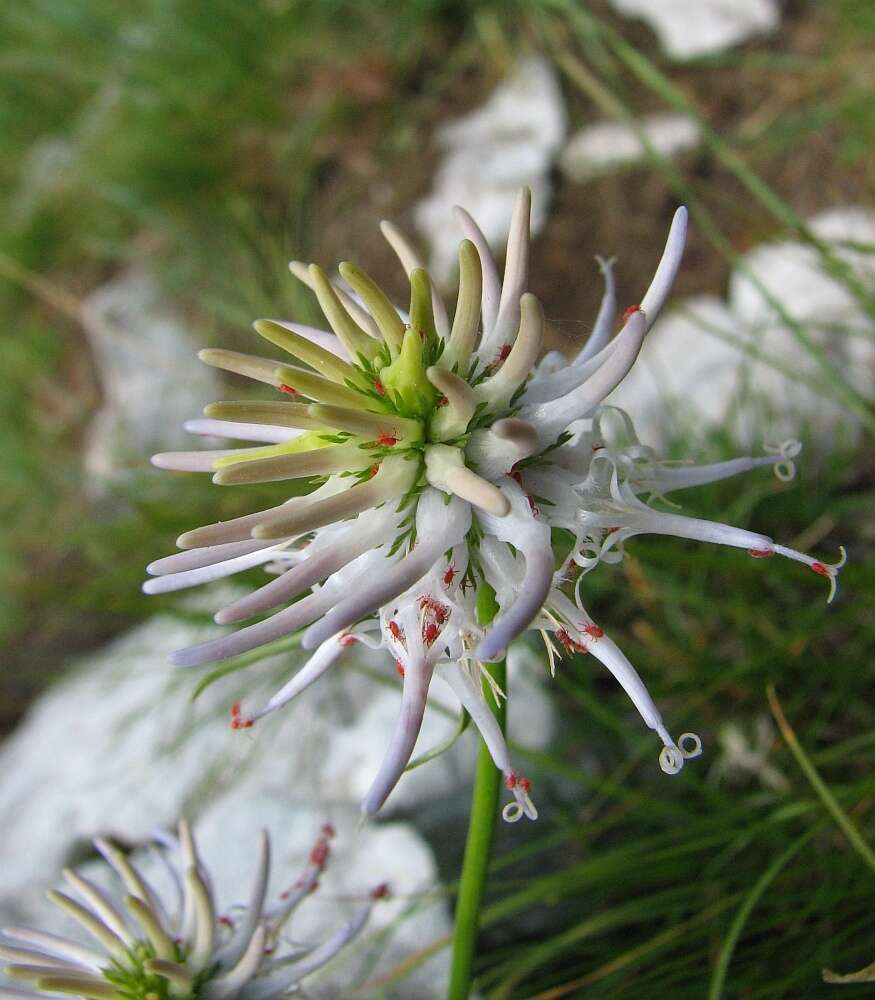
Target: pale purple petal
point(367, 531)
point(243, 934)
point(667, 269)
point(531, 537)
point(516, 272)
point(604, 322)
point(414, 695)
point(276, 627)
point(268, 433)
point(194, 558)
point(207, 574)
point(553, 417)
point(472, 700)
point(194, 461)
point(326, 655)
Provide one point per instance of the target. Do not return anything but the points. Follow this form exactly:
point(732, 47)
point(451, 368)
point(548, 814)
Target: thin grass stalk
point(718, 978)
point(637, 954)
point(843, 821)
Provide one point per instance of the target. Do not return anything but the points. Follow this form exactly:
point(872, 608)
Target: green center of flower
point(142, 975)
point(403, 407)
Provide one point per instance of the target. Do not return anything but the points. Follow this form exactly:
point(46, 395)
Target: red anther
point(502, 355)
point(380, 891)
point(760, 553)
point(598, 447)
point(328, 830)
point(510, 782)
point(610, 531)
point(516, 476)
point(387, 440)
point(525, 785)
point(449, 575)
point(443, 401)
point(399, 668)
point(319, 854)
point(533, 507)
point(593, 630)
point(348, 640)
point(430, 633)
point(226, 921)
point(375, 469)
point(631, 311)
point(288, 390)
point(820, 569)
point(268, 951)
point(395, 629)
point(378, 385)
point(237, 720)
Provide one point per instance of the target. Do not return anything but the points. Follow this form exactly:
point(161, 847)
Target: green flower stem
point(481, 832)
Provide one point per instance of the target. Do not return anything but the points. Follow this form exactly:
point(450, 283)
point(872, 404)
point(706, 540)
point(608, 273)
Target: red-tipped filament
point(522, 804)
point(239, 721)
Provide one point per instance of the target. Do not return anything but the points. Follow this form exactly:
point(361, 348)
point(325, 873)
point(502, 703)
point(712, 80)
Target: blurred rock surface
point(508, 143)
point(117, 747)
point(605, 146)
point(144, 355)
point(690, 28)
point(733, 364)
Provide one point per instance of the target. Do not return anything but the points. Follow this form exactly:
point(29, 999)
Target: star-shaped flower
point(431, 461)
point(148, 947)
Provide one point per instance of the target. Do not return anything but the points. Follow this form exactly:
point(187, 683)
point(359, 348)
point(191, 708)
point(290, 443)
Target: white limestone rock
point(710, 364)
point(606, 146)
point(793, 274)
point(144, 355)
point(690, 28)
point(361, 858)
point(508, 143)
point(117, 747)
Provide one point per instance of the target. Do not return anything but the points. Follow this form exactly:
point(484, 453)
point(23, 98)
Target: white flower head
point(147, 947)
point(430, 458)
